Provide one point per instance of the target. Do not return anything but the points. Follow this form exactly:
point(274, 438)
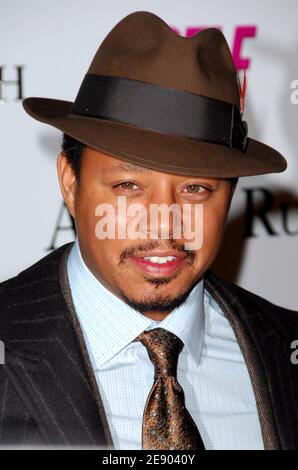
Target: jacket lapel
point(46, 359)
point(264, 333)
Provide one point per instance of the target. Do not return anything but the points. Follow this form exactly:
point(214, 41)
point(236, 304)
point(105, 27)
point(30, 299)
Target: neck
point(157, 316)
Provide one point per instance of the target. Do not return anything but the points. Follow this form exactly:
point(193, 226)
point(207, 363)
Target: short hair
point(73, 150)
point(234, 180)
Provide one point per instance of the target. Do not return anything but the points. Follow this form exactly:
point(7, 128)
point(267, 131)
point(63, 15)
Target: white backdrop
point(55, 42)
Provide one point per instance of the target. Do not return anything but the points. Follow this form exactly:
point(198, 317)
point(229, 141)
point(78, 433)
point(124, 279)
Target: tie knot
point(163, 348)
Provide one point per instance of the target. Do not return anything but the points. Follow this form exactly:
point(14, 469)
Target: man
point(130, 341)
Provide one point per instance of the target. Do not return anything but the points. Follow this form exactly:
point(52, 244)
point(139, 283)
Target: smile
point(158, 265)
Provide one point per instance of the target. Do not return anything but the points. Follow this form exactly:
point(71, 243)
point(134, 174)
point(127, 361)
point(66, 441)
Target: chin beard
point(159, 303)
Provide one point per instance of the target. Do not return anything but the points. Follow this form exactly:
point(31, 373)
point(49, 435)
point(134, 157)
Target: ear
point(67, 182)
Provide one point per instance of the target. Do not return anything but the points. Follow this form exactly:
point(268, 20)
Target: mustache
point(132, 250)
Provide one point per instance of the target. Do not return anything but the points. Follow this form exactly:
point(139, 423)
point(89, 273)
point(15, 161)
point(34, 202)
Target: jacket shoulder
point(248, 299)
point(46, 266)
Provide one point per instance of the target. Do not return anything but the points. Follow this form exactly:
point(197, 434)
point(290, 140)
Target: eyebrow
point(125, 167)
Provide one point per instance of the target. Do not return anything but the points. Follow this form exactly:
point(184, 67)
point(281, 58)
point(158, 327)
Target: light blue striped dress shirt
point(211, 368)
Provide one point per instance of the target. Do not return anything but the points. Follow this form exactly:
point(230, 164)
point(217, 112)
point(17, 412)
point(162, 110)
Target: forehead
point(125, 167)
point(110, 165)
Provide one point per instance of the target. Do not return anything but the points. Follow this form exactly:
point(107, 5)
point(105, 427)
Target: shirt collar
point(109, 324)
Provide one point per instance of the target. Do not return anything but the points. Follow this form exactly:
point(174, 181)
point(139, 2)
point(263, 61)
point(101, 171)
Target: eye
point(126, 185)
point(195, 188)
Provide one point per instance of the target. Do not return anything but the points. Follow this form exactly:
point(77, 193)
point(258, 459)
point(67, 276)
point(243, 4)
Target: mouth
point(159, 264)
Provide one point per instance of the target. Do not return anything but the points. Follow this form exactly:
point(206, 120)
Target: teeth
point(160, 259)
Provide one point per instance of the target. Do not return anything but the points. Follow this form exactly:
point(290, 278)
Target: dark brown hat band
point(162, 109)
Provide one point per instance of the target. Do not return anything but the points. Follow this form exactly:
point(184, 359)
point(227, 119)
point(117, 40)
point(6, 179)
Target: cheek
point(91, 206)
point(213, 226)
point(97, 223)
point(86, 201)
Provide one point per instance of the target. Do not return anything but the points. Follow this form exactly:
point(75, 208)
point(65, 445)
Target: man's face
point(127, 266)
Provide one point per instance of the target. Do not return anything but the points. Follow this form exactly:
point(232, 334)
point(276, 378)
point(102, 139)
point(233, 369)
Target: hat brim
point(157, 150)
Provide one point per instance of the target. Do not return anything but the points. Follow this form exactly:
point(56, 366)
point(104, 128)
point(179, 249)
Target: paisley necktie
point(167, 425)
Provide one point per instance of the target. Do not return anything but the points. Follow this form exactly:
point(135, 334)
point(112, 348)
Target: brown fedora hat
point(164, 102)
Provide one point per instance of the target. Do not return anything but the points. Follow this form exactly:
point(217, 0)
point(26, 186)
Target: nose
point(163, 212)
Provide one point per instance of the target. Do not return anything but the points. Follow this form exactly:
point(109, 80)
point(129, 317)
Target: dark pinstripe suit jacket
point(48, 392)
